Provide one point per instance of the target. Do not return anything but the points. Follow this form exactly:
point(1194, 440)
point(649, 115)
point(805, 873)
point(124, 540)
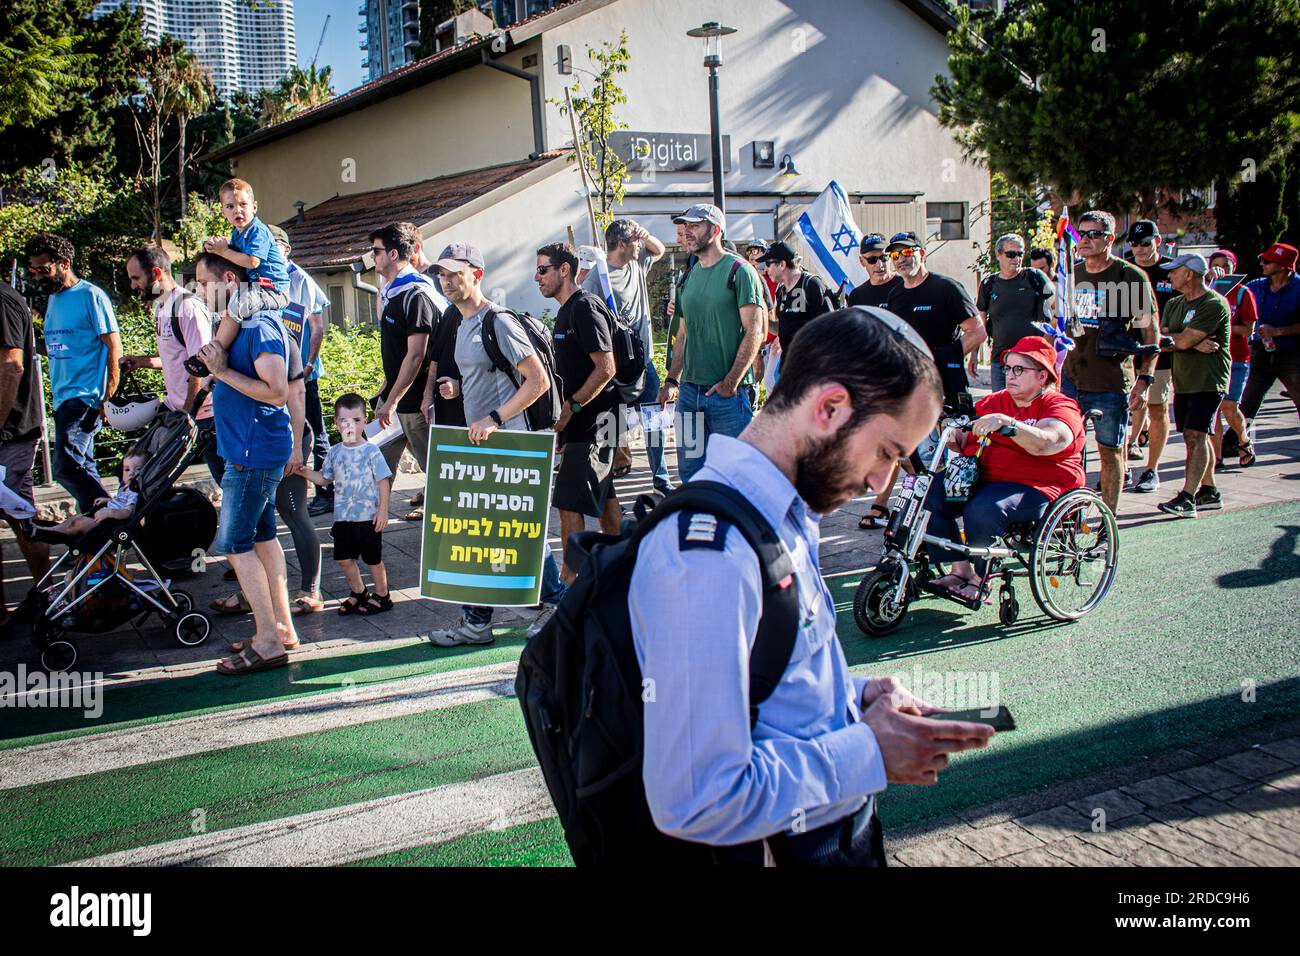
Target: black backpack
point(545, 412)
point(580, 686)
point(629, 353)
point(175, 319)
point(1037, 282)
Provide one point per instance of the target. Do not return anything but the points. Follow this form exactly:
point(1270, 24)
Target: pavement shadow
point(1281, 563)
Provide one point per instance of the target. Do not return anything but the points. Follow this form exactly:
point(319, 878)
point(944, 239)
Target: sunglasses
point(872, 260)
point(1014, 371)
point(542, 270)
point(378, 249)
point(1093, 233)
point(904, 253)
point(1145, 242)
point(1013, 254)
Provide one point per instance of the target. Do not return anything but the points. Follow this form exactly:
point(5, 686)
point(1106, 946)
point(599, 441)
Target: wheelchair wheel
point(874, 610)
point(1075, 555)
point(59, 655)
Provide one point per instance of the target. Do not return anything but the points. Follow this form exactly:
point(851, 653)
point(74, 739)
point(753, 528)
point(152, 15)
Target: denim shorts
point(247, 508)
point(1113, 424)
point(1237, 383)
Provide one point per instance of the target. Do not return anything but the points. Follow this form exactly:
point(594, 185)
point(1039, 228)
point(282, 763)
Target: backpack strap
point(778, 624)
point(175, 319)
point(491, 346)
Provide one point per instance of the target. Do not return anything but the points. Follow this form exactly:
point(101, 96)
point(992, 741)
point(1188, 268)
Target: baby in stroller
point(119, 507)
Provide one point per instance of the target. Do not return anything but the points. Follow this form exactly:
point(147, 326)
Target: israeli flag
point(593, 258)
point(828, 230)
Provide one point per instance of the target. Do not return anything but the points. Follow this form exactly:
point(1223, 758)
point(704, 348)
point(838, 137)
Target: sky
point(341, 50)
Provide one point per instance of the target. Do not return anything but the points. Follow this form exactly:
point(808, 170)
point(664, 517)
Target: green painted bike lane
point(1200, 608)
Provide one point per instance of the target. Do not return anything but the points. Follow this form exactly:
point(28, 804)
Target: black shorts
point(357, 539)
point(1194, 411)
point(586, 478)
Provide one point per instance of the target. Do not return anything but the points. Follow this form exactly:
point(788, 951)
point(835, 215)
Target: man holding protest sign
point(492, 400)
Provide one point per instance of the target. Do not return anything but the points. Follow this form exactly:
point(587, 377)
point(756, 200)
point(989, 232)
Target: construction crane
point(325, 27)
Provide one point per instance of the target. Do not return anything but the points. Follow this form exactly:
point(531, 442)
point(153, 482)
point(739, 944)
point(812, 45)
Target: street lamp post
point(712, 33)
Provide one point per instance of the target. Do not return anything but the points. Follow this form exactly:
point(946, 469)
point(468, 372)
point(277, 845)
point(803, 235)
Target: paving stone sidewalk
point(1241, 808)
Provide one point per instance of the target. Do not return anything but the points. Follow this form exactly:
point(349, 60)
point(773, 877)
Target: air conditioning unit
point(461, 29)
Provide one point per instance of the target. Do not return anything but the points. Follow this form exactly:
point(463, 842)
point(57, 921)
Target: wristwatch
point(495, 416)
point(670, 381)
point(1148, 379)
point(1015, 427)
point(575, 405)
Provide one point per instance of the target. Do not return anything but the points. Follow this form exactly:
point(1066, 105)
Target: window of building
point(952, 219)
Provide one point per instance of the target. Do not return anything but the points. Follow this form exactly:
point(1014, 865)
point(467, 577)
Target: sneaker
point(1135, 453)
point(320, 505)
point(1208, 499)
point(1182, 505)
point(548, 610)
point(665, 488)
point(1147, 481)
point(462, 633)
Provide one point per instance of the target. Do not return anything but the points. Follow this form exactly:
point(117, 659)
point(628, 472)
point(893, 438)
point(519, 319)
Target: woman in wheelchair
point(1021, 473)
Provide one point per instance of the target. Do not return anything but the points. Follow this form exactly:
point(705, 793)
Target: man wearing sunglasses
point(1144, 238)
point(1275, 347)
point(882, 280)
point(1107, 288)
point(939, 308)
point(1010, 301)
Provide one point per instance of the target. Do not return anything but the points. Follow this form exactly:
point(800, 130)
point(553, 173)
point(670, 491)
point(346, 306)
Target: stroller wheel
point(183, 600)
point(192, 629)
point(58, 655)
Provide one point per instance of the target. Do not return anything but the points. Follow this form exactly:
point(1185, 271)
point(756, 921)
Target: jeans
point(654, 443)
point(1113, 424)
point(72, 459)
point(700, 415)
point(247, 508)
point(553, 591)
point(985, 515)
point(997, 377)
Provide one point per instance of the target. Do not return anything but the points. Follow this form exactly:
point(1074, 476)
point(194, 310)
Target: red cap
point(1039, 349)
point(1282, 254)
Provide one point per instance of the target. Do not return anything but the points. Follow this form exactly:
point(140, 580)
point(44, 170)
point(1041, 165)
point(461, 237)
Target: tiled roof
point(336, 232)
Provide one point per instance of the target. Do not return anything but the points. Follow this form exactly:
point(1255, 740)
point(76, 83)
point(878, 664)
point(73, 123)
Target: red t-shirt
point(1004, 460)
point(1242, 313)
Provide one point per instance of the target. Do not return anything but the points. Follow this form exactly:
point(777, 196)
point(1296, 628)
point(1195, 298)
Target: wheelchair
point(1070, 555)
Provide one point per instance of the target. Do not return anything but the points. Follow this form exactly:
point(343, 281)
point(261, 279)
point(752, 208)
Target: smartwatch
point(495, 416)
point(575, 405)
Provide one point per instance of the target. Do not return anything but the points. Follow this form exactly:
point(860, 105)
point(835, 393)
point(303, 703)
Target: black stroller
point(91, 589)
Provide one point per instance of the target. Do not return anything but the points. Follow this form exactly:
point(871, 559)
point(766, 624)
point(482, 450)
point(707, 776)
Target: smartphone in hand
point(1000, 721)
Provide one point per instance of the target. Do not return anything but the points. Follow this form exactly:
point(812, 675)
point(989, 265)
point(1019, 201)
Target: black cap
point(873, 242)
point(906, 240)
point(779, 252)
point(1142, 230)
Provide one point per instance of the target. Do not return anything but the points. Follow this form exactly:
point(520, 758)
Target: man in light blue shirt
point(799, 787)
point(84, 348)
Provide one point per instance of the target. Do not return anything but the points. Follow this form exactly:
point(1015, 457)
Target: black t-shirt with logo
point(405, 314)
point(442, 352)
point(582, 326)
point(1164, 290)
point(24, 420)
point(1012, 306)
point(868, 294)
point(796, 307)
point(936, 309)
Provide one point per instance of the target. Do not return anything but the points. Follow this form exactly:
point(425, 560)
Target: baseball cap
point(702, 212)
point(279, 235)
point(779, 252)
point(1142, 230)
point(872, 242)
point(1038, 349)
point(756, 244)
point(1191, 260)
point(906, 240)
point(1282, 254)
point(459, 255)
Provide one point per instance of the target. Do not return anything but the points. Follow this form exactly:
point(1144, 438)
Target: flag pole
point(582, 168)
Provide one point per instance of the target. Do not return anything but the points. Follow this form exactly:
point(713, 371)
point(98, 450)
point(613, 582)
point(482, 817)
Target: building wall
point(841, 85)
point(479, 117)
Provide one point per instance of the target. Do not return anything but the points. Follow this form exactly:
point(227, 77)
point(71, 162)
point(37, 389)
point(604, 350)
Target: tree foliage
point(596, 113)
point(1110, 101)
point(297, 90)
point(1265, 208)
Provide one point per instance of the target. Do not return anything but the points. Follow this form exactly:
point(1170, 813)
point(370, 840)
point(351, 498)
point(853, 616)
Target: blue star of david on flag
point(845, 239)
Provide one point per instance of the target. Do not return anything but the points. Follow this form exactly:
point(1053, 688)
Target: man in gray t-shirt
point(491, 401)
point(484, 388)
point(631, 252)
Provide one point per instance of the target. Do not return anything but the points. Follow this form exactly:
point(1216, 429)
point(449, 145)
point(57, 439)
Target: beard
point(150, 292)
point(48, 286)
point(820, 474)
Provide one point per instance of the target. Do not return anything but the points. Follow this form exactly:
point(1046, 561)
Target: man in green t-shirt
point(1198, 320)
point(721, 328)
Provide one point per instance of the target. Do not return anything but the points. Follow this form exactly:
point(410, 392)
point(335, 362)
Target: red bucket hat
point(1040, 350)
point(1282, 254)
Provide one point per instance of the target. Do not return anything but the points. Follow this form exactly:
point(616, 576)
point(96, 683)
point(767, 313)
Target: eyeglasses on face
point(1145, 242)
point(1014, 371)
point(872, 260)
point(1093, 233)
point(904, 253)
point(378, 250)
point(542, 270)
point(1013, 253)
